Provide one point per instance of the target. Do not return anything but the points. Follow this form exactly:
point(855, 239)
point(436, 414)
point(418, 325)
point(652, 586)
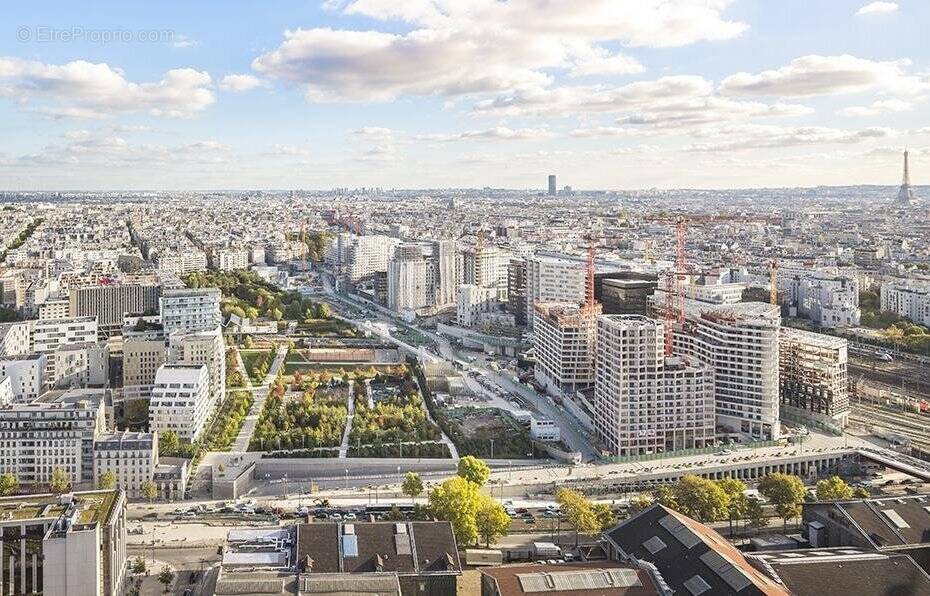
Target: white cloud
point(380, 153)
point(183, 42)
point(876, 108)
point(496, 133)
point(753, 136)
point(877, 8)
point(672, 104)
point(593, 98)
point(598, 61)
point(103, 150)
point(605, 131)
point(823, 75)
point(83, 89)
point(459, 47)
point(375, 133)
point(237, 83)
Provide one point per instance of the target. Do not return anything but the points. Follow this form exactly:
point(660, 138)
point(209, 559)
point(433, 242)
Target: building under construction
point(564, 339)
point(740, 344)
point(813, 386)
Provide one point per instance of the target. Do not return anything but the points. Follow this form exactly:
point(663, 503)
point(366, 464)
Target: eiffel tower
point(905, 194)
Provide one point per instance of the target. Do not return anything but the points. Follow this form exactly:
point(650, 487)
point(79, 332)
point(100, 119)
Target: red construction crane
point(674, 282)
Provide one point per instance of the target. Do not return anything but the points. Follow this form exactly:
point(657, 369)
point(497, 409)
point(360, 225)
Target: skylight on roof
point(696, 585)
point(895, 518)
point(654, 545)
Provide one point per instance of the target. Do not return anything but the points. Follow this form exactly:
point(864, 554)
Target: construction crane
point(773, 282)
point(674, 283)
point(590, 305)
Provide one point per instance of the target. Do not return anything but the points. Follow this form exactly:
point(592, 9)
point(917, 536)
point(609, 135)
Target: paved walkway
point(244, 437)
point(344, 446)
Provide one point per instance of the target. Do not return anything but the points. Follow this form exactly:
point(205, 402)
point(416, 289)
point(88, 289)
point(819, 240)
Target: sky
point(606, 94)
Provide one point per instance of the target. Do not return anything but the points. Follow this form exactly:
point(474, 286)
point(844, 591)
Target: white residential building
point(80, 365)
point(544, 429)
point(472, 301)
point(406, 279)
point(27, 375)
point(131, 456)
point(231, 259)
point(6, 391)
point(740, 343)
point(54, 309)
point(59, 432)
point(564, 341)
point(442, 265)
point(48, 336)
point(361, 256)
point(485, 266)
point(14, 338)
point(825, 299)
point(180, 400)
point(181, 262)
point(907, 298)
point(203, 347)
point(552, 279)
point(812, 378)
point(190, 310)
point(645, 402)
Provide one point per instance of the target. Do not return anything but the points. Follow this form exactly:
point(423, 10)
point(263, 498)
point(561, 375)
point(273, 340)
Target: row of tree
point(725, 500)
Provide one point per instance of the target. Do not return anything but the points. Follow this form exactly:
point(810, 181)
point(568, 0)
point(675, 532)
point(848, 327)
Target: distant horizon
point(541, 191)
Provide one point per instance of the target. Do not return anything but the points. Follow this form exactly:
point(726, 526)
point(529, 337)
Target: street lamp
point(347, 478)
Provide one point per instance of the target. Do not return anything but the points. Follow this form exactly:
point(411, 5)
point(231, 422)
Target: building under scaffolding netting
point(812, 379)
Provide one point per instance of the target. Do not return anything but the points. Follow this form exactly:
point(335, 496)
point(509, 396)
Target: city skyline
point(608, 95)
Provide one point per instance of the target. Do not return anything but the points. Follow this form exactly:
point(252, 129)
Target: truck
point(546, 550)
point(481, 557)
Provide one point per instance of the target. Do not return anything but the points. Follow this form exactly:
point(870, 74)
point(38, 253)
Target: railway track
point(915, 427)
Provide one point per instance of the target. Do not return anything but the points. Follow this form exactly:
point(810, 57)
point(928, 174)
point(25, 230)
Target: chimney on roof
point(379, 563)
point(308, 564)
point(449, 561)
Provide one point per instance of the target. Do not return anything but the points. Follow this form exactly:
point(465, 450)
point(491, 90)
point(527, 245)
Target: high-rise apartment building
point(485, 266)
point(442, 264)
point(812, 378)
point(564, 337)
point(516, 289)
point(190, 310)
point(552, 185)
point(202, 347)
point(645, 402)
point(110, 303)
point(359, 257)
point(740, 343)
point(553, 279)
point(406, 279)
point(180, 400)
